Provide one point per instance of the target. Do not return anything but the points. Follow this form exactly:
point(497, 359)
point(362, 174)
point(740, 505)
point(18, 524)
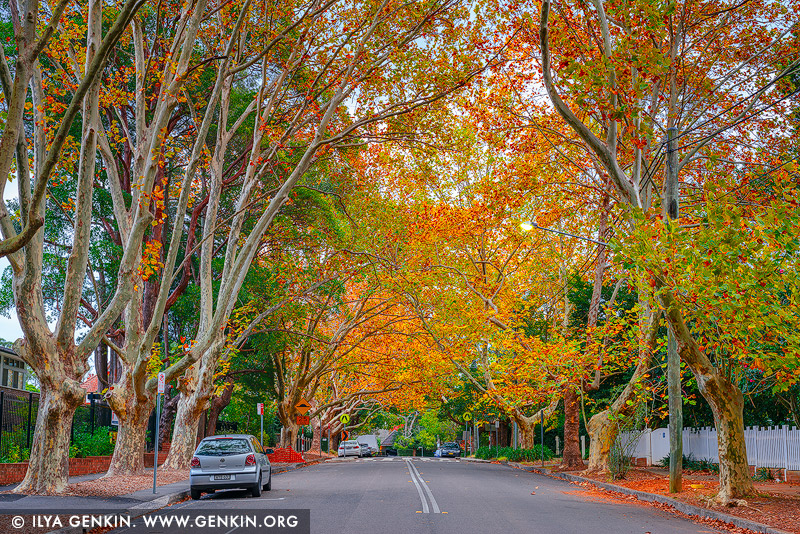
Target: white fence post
point(771, 447)
point(785, 453)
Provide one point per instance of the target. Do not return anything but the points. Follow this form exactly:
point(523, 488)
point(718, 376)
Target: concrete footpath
point(136, 504)
point(680, 506)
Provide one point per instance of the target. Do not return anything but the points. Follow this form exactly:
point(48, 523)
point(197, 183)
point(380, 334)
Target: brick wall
point(13, 473)
point(148, 458)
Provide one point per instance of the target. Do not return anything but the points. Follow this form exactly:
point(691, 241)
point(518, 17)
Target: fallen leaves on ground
point(772, 506)
point(122, 485)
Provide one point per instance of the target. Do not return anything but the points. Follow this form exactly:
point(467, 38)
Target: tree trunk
point(168, 409)
point(602, 427)
point(726, 401)
point(316, 441)
point(101, 365)
point(184, 435)
point(527, 425)
point(196, 392)
point(290, 429)
point(133, 411)
point(526, 428)
point(602, 434)
point(128, 458)
point(572, 458)
point(48, 467)
point(217, 405)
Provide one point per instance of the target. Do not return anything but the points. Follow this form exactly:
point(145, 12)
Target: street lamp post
point(528, 226)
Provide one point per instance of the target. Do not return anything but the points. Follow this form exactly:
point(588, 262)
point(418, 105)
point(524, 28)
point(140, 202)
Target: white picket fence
point(766, 447)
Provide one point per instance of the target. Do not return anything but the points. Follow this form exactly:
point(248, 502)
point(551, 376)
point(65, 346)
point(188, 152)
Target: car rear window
point(451, 445)
point(223, 447)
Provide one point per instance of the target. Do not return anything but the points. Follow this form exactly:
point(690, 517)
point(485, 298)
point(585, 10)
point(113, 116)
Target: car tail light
point(250, 460)
point(195, 462)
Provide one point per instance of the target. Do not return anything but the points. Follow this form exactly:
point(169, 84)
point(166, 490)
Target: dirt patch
point(771, 506)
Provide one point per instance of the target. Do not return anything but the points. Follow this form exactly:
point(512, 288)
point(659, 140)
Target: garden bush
point(514, 455)
point(690, 463)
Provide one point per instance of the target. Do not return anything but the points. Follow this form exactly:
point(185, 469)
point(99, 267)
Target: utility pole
point(541, 424)
point(670, 209)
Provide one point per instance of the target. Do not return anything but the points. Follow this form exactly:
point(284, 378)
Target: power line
point(765, 108)
point(741, 101)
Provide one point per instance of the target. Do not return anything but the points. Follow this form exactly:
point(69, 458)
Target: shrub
point(514, 455)
point(15, 454)
point(763, 474)
point(85, 444)
point(690, 463)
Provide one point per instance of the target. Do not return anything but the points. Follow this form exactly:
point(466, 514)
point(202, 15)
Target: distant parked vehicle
point(349, 448)
point(450, 450)
point(372, 442)
point(229, 461)
point(391, 451)
point(365, 450)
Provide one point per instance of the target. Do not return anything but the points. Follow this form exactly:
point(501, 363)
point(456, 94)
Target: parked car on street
point(450, 449)
point(372, 444)
point(349, 448)
point(229, 461)
point(365, 450)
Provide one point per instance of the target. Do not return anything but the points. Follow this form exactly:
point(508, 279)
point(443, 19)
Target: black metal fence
point(18, 410)
point(89, 417)
point(17, 419)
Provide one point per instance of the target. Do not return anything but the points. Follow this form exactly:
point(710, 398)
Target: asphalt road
point(435, 496)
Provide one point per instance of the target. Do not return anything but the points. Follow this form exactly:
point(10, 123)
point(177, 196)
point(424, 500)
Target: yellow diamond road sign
point(467, 416)
point(344, 418)
point(303, 406)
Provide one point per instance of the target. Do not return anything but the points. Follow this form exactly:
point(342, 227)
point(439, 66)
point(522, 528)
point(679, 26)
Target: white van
point(370, 441)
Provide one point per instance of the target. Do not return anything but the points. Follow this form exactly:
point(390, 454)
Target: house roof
point(389, 441)
point(91, 384)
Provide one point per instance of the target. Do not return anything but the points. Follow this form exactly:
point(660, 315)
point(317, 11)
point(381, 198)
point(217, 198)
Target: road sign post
point(162, 382)
point(467, 417)
point(260, 411)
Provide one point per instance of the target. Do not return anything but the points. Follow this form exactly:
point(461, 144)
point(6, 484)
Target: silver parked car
point(229, 461)
point(349, 448)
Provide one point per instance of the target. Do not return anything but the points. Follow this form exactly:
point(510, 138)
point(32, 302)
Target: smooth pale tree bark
point(134, 408)
point(603, 427)
point(57, 360)
point(684, 109)
point(135, 396)
point(32, 35)
point(287, 415)
point(726, 401)
point(196, 391)
point(526, 424)
point(348, 62)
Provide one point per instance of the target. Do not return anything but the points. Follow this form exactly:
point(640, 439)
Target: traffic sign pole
point(260, 410)
point(158, 429)
point(161, 386)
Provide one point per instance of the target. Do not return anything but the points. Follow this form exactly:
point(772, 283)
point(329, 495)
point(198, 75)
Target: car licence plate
point(222, 477)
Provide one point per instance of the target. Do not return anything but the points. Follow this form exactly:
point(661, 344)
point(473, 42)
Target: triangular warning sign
point(303, 406)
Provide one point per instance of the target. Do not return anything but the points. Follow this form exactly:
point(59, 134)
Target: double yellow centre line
point(420, 484)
